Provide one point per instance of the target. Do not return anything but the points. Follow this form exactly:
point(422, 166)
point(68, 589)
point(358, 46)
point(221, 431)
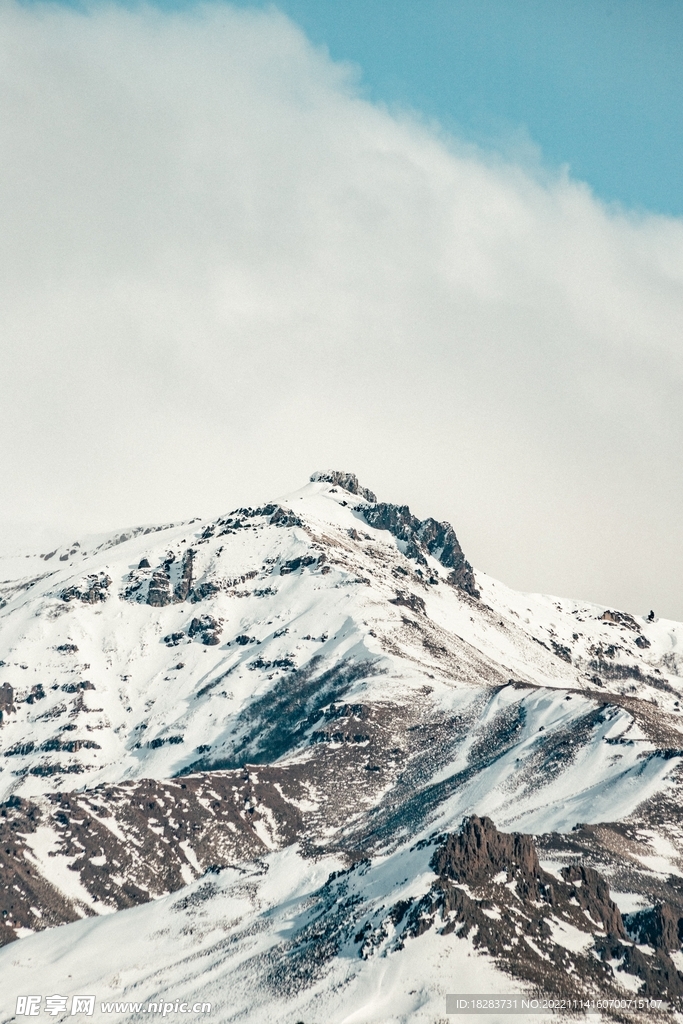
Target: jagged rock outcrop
point(491, 887)
point(591, 892)
point(347, 481)
point(424, 536)
point(170, 583)
point(479, 851)
point(207, 629)
point(6, 700)
point(659, 977)
point(660, 926)
point(91, 591)
point(161, 589)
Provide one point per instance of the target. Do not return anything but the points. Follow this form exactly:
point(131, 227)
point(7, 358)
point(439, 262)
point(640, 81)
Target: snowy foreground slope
point(203, 722)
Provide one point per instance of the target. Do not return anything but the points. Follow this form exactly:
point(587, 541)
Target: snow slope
point(220, 941)
point(325, 672)
point(105, 669)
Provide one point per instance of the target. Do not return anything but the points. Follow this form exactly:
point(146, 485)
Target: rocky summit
point(305, 763)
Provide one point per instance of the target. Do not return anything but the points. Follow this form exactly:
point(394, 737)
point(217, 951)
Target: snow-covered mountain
point(247, 705)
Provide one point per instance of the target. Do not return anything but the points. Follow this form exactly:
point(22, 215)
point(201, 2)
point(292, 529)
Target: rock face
point(660, 926)
point(164, 590)
point(91, 591)
point(6, 700)
point(348, 481)
point(479, 851)
point(422, 537)
point(206, 629)
point(490, 884)
point(591, 892)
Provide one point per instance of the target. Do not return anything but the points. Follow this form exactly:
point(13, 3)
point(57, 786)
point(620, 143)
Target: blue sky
point(594, 84)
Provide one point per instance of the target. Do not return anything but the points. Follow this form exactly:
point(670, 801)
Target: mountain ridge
point(325, 673)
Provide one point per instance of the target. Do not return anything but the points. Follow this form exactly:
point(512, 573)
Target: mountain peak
point(313, 685)
point(348, 481)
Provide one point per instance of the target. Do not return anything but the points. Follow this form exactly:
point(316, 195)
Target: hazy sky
point(222, 266)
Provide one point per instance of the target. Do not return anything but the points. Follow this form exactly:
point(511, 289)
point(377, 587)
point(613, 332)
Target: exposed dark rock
point(479, 851)
point(347, 481)
point(660, 978)
point(48, 768)
point(21, 886)
point(207, 629)
point(412, 601)
point(620, 619)
point(85, 684)
point(592, 894)
point(143, 857)
point(561, 650)
point(169, 584)
point(143, 563)
point(330, 736)
point(160, 741)
point(660, 926)
point(203, 591)
point(173, 639)
point(67, 649)
point(6, 700)
point(297, 563)
point(422, 537)
point(72, 746)
point(510, 907)
point(276, 514)
point(264, 664)
point(91, 591)
point(37, 693)
point(20, 748)
point(184, 585)
point(283, 517)
point(159, 592)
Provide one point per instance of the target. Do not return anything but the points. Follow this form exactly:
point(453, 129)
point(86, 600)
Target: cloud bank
point(220, 269)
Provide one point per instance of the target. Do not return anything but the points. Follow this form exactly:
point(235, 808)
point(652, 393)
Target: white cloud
point(222, 269)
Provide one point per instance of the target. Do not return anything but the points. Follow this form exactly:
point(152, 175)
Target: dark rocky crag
point(562, 936)
point(421, 537)
point(347, 481)
point(91, 590)
point(6, 700)
point(491, 887)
